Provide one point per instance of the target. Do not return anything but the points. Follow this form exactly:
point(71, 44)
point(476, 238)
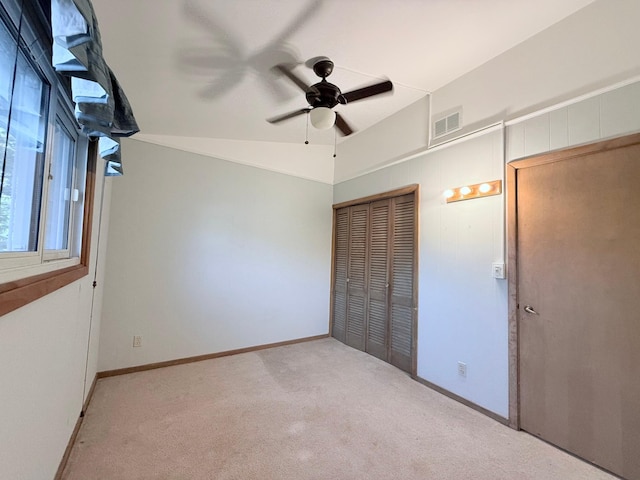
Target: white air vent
point(446, 125)
point(440, 128)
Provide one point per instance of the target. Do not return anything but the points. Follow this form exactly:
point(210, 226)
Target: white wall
point(43, 352)
point(462, 309)
point(608, 114)
point(200, 263)
point(312, 161)
point(402, 133)
point(593, 48)
point(207, 255)
point(590, 49)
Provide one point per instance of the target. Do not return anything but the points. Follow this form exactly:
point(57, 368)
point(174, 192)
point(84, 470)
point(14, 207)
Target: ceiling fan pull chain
point(335, 142)
point(306, 135)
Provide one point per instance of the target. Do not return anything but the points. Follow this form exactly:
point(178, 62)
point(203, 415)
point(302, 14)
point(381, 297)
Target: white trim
point(467, 136)
point(573, 101)
point(430, 121)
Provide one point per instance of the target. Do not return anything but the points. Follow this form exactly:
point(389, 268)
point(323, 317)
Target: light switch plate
point(498, 270)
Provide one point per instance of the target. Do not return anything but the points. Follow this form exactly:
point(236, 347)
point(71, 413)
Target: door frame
point(406, 190)
point(512, 254)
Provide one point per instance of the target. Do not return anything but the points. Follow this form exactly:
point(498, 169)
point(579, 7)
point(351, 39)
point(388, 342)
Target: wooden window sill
point(16, 294)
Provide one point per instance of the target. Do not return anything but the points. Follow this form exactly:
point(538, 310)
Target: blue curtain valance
point(102, 108)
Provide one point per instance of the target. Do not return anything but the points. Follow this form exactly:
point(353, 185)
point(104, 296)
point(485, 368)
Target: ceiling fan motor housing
point(323, 94)
point(323, 67)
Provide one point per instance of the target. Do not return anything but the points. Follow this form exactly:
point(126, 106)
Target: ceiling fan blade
point(365, 92)
point(298, 22)
point(287, 116)
point(291, 76)
point(207, 22)
point(206, 59)
point(277, 90)
point(222, 84)
point(342, 125)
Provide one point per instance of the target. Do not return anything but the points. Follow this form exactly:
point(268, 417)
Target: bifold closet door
point(378, 299)
point(338, 329)
point(357, 267)
point(401, 321)
point(373, 292)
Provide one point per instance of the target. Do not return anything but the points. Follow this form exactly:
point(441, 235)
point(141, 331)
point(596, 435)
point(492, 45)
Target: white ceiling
point(201, 68)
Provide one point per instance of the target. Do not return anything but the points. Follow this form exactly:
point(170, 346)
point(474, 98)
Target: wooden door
point(401, 318)
point(378, 299)
point(578, 244)
point(357, 276)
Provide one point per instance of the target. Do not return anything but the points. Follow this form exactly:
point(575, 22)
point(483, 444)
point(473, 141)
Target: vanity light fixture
point(478, 190)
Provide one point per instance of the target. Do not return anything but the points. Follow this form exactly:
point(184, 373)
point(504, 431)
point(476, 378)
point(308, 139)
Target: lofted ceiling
point(202, 68)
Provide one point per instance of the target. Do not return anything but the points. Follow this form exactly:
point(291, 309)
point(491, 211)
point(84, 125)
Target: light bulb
point(448, 193)
point(322, 118)
point(465, 190)
point(484, 188)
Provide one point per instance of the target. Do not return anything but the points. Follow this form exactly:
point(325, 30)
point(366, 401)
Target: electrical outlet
point(137, 341)
point(462, 369)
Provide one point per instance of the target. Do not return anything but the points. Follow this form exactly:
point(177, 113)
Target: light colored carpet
point(316, 410)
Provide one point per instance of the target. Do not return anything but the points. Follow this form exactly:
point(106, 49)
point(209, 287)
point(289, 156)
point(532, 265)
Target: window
point(65, 167)
point(23, 128)
point(45, 186)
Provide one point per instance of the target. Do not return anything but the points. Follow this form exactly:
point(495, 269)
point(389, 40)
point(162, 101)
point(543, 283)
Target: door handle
point(529, 309)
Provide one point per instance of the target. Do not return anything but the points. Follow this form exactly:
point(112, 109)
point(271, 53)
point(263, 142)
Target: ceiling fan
point(323, 96)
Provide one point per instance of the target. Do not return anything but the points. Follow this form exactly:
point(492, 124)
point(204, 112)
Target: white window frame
point(76, 191)
point(20, 265)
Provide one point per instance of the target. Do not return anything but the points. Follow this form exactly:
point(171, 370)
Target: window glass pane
point(23, 162)
point(13, 9)
point(8, 54)
point(60, 190)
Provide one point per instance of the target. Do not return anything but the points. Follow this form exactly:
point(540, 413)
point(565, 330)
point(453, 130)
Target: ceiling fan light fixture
point(323, 118)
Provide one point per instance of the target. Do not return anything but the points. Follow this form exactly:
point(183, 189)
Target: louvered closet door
point(402, 298)
point(357, 277)
point(340, 274)
point(378, 302)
